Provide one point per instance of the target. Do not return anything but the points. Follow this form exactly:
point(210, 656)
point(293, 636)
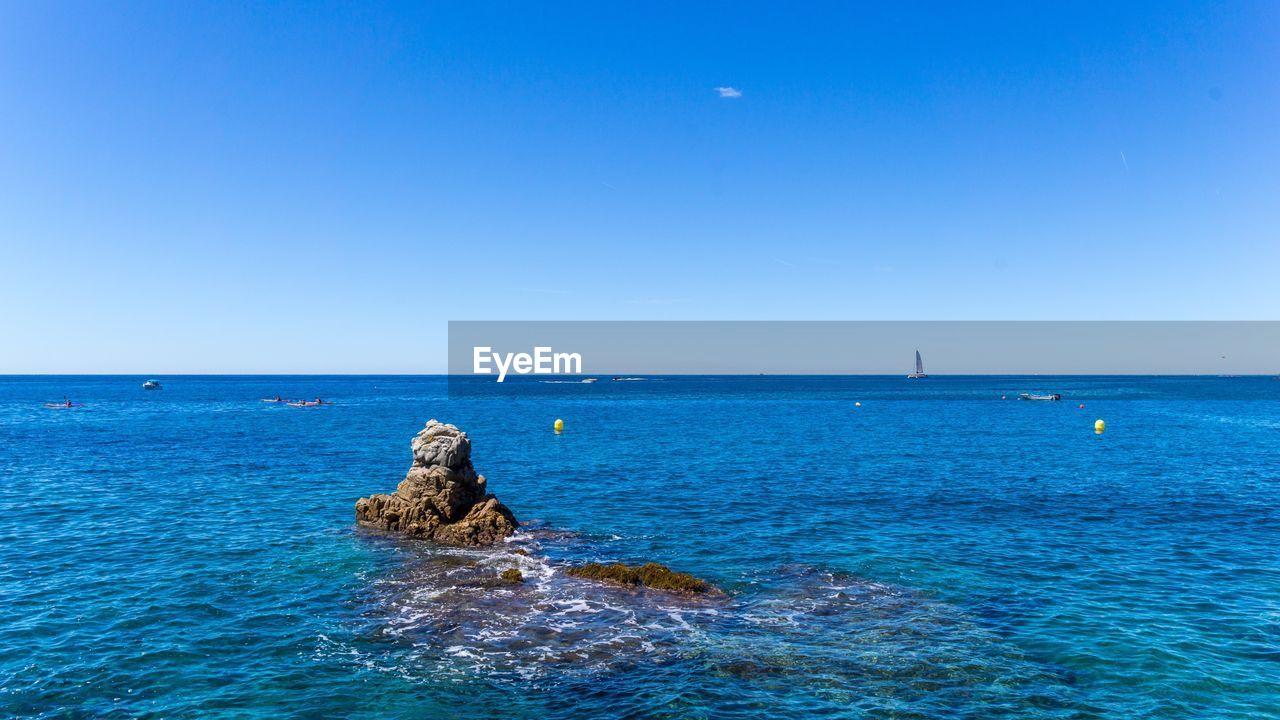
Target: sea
point(885, 548)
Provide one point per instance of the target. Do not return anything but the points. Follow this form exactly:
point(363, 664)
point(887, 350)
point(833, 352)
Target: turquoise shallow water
point(935, 553)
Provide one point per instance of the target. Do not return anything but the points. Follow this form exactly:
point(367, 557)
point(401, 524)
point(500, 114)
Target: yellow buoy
point(560, 424)
point(1099, 426)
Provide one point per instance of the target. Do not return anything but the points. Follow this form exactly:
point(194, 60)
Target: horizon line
point(531, 378)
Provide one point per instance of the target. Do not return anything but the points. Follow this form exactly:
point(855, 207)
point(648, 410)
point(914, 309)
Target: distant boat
point(919, 373)
point(590, 380)
point(151, 385)
point(64, 404)
point(1029, 396)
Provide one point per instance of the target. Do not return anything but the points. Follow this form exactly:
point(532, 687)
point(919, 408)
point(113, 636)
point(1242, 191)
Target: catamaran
point(919, 373)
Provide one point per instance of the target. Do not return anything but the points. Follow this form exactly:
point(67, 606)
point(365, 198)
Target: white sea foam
point(458, 619)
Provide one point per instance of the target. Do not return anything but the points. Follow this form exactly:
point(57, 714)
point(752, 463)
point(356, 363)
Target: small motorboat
point(1029, 396)
point(590, 380)
point(151, 385)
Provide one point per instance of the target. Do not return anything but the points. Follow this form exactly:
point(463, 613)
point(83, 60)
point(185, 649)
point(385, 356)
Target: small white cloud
point(729, 92)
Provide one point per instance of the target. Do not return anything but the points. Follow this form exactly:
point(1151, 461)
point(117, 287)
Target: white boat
point(1029, 396)
point(151, 385)
point(590, 380)
point(919, 373)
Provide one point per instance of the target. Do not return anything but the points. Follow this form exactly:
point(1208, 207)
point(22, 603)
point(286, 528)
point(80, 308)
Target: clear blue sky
point(226, 187)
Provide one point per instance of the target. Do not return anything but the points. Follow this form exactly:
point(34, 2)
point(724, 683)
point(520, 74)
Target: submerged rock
point(512, 575)
point(442, 498)
point(651, 575)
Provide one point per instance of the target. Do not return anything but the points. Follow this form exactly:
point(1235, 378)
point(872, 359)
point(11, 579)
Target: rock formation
point(650, 575)
point(442, 498)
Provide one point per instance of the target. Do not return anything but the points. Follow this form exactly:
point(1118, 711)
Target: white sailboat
point(919, 373)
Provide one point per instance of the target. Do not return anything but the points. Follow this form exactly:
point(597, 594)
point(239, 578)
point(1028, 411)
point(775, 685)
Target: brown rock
point(650, 575)
point(442, 498)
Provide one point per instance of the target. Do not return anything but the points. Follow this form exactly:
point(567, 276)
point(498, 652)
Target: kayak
point(273, 400)
point(63, 405)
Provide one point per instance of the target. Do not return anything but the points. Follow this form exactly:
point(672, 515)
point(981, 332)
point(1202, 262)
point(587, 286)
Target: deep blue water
point(935, 553)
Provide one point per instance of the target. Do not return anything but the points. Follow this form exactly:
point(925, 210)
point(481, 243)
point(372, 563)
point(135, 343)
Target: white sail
point(919, 373)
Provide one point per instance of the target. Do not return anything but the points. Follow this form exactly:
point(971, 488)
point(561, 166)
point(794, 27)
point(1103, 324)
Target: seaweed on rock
point(650, 575)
